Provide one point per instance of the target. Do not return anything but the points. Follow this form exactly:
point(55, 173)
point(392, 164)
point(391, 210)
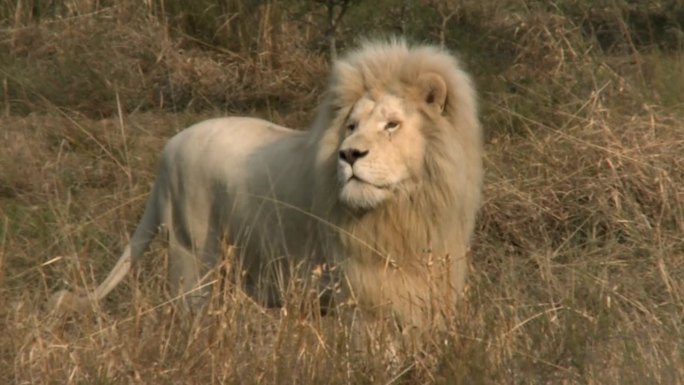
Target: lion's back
point(218, 174)
point(221, 137)
point(217, 150)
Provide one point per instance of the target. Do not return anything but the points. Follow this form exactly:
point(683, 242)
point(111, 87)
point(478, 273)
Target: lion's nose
point(351, 155)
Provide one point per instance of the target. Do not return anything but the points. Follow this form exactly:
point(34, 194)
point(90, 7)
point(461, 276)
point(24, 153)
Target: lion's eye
point(351, 126)
point(391, 126)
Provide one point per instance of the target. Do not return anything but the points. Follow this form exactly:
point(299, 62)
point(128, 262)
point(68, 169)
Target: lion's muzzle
point(351, 155)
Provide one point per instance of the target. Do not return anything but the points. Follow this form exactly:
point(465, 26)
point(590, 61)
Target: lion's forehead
point(385, 106)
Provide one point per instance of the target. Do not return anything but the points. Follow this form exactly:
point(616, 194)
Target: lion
point(386, 185)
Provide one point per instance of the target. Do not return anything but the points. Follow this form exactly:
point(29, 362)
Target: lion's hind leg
point(190, 268)
point(183, 274)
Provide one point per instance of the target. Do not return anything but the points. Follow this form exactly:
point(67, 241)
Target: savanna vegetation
point(577, 265)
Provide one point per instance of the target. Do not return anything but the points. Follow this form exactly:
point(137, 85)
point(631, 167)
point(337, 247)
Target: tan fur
point(398, 219)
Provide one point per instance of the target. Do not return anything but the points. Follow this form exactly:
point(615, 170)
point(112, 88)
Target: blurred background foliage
point(95, 56)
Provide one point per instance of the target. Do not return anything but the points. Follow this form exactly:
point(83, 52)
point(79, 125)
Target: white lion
point(386, 185)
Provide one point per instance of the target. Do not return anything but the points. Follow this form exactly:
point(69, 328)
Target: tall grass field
point(577, 264)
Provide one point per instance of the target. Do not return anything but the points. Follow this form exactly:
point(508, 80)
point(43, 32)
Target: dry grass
point(577, 265)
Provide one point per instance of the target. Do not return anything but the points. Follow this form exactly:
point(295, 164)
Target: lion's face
point(381, 152)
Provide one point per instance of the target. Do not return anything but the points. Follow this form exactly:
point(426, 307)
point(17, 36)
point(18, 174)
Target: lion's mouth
point(356, 179)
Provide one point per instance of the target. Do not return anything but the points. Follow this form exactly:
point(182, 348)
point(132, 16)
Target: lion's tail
point(147, 229)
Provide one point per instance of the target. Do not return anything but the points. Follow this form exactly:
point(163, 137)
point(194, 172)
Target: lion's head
point(381, 151)
point(396, 117)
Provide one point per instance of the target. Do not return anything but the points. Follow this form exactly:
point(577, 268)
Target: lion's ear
point(433, 90)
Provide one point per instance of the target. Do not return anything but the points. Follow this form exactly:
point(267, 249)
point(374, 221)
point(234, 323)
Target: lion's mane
point(409, 253)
